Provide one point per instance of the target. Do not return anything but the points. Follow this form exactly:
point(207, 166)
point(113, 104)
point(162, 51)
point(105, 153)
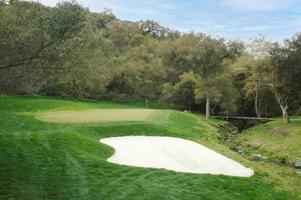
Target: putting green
point(95, 115)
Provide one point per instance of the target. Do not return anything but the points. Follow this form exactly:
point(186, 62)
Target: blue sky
point(232, 19)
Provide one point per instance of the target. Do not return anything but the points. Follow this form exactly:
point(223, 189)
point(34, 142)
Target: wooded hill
point(71, 52)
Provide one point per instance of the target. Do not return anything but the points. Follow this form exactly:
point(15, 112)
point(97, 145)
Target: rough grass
point(42, 160)
point(95, 115)
point(275, 139)
point(281, 144)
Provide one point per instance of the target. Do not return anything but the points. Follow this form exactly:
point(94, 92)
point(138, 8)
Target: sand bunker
point(95, 115)
point(173, 154)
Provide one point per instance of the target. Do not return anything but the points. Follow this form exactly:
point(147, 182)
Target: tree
point(184, 90)
point(251, 65)
point(285, 73)
point(152, 28)
point(253, 73)
point(140, 74)
point(203, 55)
point(223, 95)
point(259, 47)
point(81, 73)
point(207, 60)
point(105, 18)
point(29, 30)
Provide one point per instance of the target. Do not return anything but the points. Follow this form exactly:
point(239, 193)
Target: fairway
point(65, 160)
point(95, 115)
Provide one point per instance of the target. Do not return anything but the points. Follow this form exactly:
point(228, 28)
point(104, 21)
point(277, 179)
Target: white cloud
point(128, 9)
point(102, 4)
point(47, 2)
point(258, 5)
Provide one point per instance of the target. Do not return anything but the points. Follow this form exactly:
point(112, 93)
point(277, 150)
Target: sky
point(232, 19)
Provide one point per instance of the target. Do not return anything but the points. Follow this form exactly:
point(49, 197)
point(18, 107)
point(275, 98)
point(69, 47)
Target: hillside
point(276, 140)
point(70, 51)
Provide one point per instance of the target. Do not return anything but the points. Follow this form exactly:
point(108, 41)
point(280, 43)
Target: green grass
point(94, 116)
point(41, 160)
point(276, 140)
point(281, 144)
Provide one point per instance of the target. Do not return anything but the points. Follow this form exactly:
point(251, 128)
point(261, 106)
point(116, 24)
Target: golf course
point(50, 149)
point(150, 100)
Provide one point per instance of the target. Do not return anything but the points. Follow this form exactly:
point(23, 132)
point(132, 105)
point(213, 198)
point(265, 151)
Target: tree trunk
point(207, 105)
point(285, 115)
point(257, 104)
point(283, 103)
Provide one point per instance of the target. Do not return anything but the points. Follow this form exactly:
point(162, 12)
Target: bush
point(298, 112)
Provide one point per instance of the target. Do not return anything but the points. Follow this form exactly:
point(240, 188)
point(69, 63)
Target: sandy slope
point(173, 154)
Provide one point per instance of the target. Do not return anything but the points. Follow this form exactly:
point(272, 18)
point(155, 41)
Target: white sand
point(173, 154)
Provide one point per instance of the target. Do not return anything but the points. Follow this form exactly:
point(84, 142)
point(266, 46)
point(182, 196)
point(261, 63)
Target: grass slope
point(276, 139)
point(42, 160)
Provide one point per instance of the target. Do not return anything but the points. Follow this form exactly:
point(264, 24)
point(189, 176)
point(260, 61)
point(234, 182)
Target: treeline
point(68, 51)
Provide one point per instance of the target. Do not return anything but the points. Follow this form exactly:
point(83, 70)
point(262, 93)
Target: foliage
point(285, 74)
point(69, 51)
